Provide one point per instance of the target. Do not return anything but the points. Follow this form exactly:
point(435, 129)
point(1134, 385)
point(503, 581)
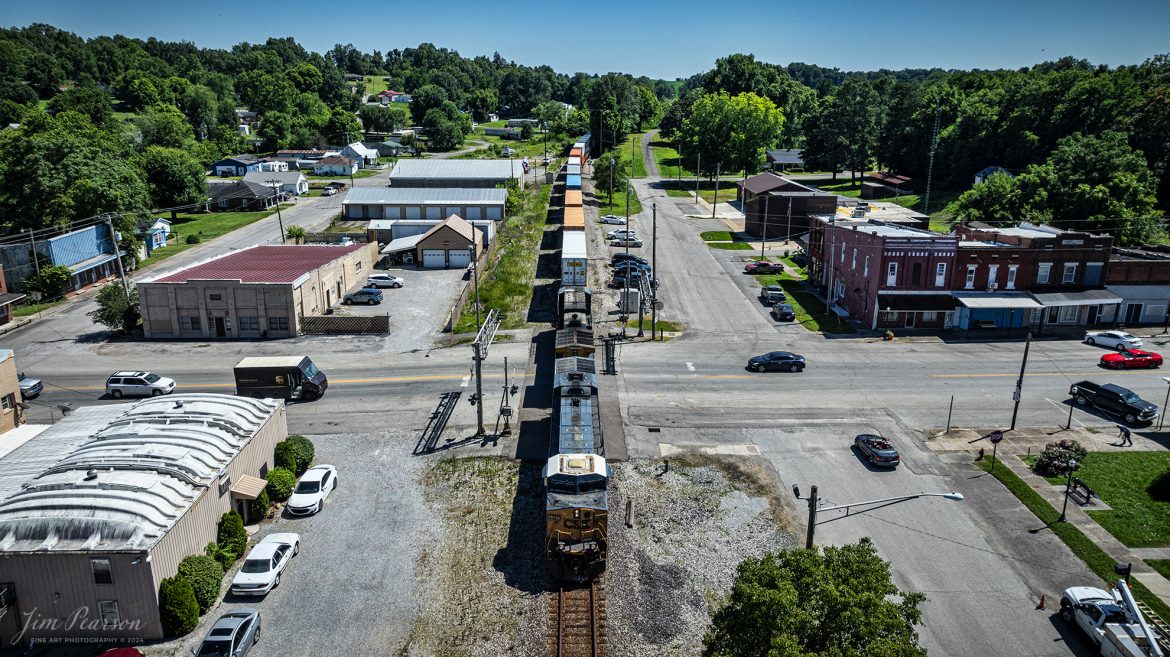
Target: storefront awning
point(996, 300)
point(10, 298)
point(248, 487)
point(916, 302)
point(1084, 298)
point(402, 244)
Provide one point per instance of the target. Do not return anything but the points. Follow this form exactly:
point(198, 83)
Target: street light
point(1072, 467)
point(813, 509)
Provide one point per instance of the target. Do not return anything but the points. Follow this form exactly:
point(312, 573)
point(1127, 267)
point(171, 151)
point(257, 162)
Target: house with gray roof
point(289, 182)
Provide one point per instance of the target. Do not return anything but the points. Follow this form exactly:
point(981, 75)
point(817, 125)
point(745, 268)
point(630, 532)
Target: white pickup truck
point(1111, 619)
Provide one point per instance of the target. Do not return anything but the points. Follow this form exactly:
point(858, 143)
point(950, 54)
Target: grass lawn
point(810, 310)
point(724, 240)
point(533, 149)
point(706, 189)
point(1094, 557)
point(1120, 478)
point(663, 325)
point(506, 283)
point(619, 202)
point(669, 164)
point(633, 145)
point(716, 236)
point(1160, 565)
point(798, 268)
point(26, 309)
point(207, 226)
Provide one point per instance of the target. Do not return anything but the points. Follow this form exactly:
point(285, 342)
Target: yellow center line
point(1016, 374)
point(380, 379)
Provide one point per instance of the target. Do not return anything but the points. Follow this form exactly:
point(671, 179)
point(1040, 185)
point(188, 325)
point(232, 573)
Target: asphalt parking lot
point(349, 591)
point(417, 309)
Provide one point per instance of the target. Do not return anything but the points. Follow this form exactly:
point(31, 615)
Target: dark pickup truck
point(1115, 400)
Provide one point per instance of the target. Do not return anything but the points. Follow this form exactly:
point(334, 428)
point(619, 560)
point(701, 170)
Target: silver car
point(138, 384)
point(384, 280)
point(233, 635)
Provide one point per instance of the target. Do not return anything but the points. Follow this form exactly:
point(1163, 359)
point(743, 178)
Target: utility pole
point(118, 256)
point(275, 184)
point(479, 356)
point(1020, 381)
point(625, 300)
point(829, 270)
point(679, 161)
point(32, 239)
point(812, 518)
point(715, 200)
point(475, 281)
point(654, 272)
point(698, 165)
point(764, 235)
point(611, 164)
point(788, 231)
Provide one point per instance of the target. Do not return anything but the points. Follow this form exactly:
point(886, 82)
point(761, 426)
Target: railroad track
point(577, 616)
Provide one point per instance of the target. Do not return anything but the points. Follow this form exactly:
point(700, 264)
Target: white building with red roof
point(258, 292)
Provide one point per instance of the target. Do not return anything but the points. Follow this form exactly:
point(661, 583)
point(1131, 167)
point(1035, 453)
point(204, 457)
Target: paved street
point(976, 560)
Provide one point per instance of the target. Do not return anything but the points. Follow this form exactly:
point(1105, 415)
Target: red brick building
point(6, 300)
point(781, 207)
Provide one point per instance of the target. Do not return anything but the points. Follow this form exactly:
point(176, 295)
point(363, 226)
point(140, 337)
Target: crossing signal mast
point(483, 339)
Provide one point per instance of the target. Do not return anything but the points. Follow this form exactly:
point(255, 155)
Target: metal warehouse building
point(425, 203)
point(259, 292)
point(98, 509)
point(455, 173)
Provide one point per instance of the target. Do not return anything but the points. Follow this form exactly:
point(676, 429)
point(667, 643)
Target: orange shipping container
point(572, 197)
point(574, 218)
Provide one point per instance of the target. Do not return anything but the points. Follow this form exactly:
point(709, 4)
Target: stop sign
point(995, 437)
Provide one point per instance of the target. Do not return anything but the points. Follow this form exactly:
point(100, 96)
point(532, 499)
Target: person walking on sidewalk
point(1125, 435)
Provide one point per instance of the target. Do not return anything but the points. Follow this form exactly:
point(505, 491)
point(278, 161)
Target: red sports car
point(1128, 358)
point(762, 267)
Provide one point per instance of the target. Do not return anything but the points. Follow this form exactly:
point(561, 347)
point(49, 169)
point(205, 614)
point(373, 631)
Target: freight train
point(576, 476)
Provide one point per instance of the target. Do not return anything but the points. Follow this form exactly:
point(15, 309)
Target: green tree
point(284, 456)
point(445, 127)
point(839, 602)
point(258, 508)
point(997, 202)
point(844, 133)
point(177, 607)
point(115, 310)
point(648, 107)
point(616, 104)
point(173, 177)
point(342, 127)
point(603, 165)
point(377, 118)
point(482, 102)
point(201, 108)
point(425, 99)
point(50, 282)
point(89, 101)
point(165, 125)
point(526, 131)
point(731, 131)
point(295, 233)
point(206, 577)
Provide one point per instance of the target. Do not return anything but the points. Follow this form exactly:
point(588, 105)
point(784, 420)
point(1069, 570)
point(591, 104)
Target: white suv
point(140, 384)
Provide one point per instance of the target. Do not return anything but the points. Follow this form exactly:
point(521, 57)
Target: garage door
point(434, 258)
point(458, 258)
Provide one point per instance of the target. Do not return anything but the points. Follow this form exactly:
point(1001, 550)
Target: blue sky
point(657, 39)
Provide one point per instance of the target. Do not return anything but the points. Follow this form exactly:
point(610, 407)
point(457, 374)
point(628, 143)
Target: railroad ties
point(577, 621)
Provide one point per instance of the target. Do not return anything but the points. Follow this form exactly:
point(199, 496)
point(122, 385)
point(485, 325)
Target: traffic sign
point(995, 437)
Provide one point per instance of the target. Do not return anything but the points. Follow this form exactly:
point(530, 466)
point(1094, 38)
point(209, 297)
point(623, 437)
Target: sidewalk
point(1032, 441)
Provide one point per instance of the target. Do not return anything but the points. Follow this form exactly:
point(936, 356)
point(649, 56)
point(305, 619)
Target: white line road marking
point(466, 380)
point(1061, 407)
point(691, 366)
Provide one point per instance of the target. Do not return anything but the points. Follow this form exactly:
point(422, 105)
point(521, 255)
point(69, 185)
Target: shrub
point(232, 537)
point(1159, 488)
point(280, 484)
point(193, 239)
point(303, 450)
point(177, 607)
point(258, 508)
point(1055, 457)
point(224, 558)
point(205, 575)
point(284, 457)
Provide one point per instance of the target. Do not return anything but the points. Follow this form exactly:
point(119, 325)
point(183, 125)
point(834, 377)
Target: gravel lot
point(433, 556)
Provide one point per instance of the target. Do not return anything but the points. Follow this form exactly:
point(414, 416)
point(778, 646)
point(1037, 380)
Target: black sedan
point(783, 313)
point(777, 361)
point(877, 450)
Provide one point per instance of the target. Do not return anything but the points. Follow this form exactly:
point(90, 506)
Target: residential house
point(302, 159)
point(1067, 277)
point(391, 96)
point(290, 182)
point(237, 165)
point(88, 253)
point(274, 165)
point(884, 185)
point(337, 165)
point(361, 154)
point(391, 148)
point(354, 77)
point(520, 123)
point(153, 233)
point(779, 208)
point(506, 133)
point(987, 172)
point(240, 195)
point(6, 300)
point(883, 275)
